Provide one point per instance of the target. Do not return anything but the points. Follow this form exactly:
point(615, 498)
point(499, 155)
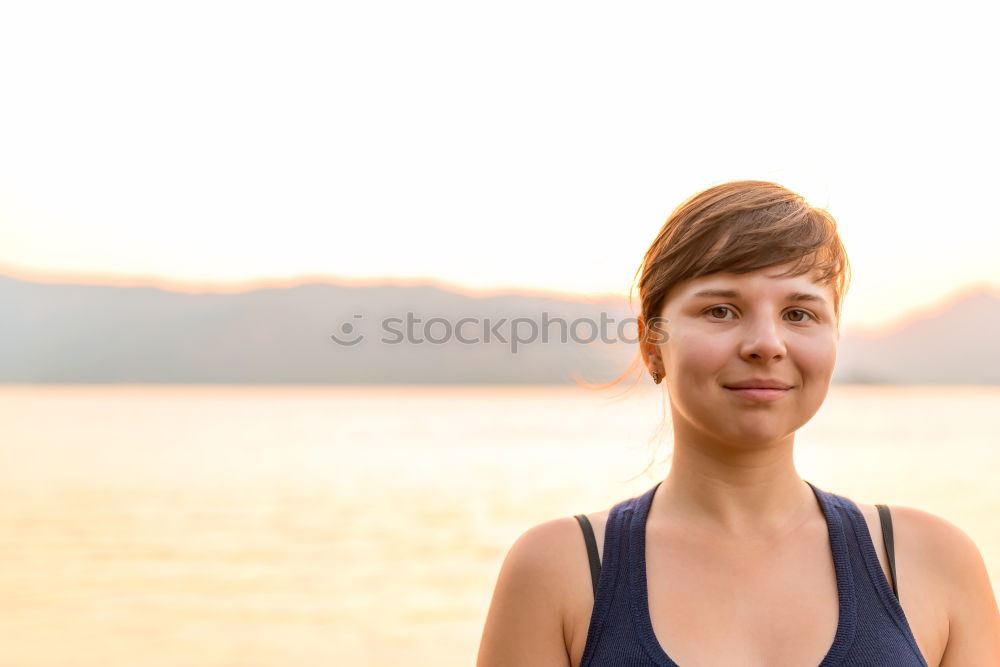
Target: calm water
point(293, 526)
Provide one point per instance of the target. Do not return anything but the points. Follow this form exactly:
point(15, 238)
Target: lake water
point(302, 526)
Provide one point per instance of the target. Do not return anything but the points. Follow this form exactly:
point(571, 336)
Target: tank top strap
point(591, 542)
point(886, 518)
point(613, 568)
point(879, 603)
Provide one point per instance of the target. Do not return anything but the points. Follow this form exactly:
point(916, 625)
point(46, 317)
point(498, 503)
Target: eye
point(714, 308)
point(794, 310)
point(804, 312)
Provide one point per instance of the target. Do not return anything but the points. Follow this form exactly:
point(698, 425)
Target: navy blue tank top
point(872, 630)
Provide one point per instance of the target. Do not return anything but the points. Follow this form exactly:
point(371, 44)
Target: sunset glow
point(218, 146)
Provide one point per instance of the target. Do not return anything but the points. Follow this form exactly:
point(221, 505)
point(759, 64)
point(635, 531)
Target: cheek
point(690, 354)
point(818, 357)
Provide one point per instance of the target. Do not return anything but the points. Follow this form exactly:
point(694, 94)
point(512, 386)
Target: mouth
point(759, 394)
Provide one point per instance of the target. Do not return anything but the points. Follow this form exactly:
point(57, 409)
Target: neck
point(763, 498)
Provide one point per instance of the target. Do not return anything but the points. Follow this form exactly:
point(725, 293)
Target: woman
point(733, 559)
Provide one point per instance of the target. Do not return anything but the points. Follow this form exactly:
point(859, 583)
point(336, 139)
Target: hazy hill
point(957, 345)
point(97, 334)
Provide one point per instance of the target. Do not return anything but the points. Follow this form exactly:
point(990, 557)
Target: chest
point(773, 607)
point(767, 607)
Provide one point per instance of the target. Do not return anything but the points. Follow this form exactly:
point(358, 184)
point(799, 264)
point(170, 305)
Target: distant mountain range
point(68, 333)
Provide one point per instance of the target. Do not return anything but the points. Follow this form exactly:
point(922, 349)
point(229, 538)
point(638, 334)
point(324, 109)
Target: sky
point(535, 146)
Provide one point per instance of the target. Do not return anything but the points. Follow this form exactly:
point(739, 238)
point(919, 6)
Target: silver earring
point(656, 377)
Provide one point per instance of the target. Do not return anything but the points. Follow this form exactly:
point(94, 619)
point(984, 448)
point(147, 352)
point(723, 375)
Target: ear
point(649, 339)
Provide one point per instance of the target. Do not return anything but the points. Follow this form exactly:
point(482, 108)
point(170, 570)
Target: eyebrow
point(733, 294)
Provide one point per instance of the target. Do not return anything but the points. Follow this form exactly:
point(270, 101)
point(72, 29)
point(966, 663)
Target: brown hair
point(737, 227)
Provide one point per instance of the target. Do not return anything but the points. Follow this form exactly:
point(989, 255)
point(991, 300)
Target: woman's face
point(752, 327)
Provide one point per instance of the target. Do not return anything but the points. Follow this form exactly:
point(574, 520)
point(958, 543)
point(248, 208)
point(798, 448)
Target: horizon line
point(241, 286)
point(926, 310)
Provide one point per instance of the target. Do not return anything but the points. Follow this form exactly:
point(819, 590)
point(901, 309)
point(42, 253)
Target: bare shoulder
point(920, 535)
point(974, 619)
point(526, 621)
point(952, 561)
point(944, 545)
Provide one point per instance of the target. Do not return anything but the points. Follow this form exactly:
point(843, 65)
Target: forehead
point(763, 282)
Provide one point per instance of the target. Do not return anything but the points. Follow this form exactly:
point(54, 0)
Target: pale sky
point(536, 145)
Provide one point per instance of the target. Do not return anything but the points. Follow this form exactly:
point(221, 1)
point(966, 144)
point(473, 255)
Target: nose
point(763, 340)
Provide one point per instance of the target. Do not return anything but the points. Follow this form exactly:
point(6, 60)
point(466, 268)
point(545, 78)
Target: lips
point(758, 394)
point(759, 384)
